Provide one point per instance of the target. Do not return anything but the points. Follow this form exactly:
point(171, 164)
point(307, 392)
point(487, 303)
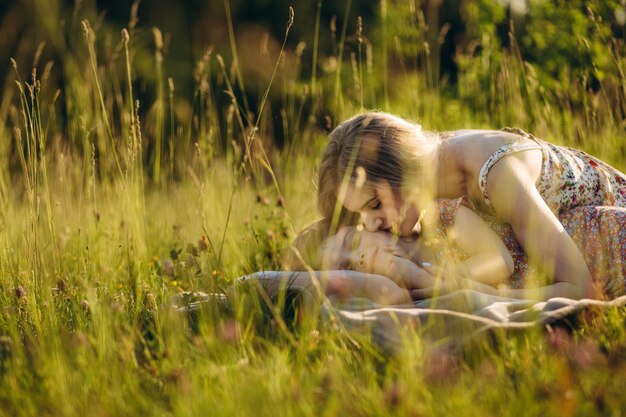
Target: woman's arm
point(512, 191)
point(489, 261)
point(451, 284)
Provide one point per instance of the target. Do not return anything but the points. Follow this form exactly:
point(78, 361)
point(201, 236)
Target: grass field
point(114, 201)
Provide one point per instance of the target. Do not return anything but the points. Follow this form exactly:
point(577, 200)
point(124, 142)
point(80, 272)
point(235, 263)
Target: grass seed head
point(84, 304)
point(61, 285)
point(134, 19)
point(87, 31)
point(158, 38)
point(291, 16)
point(263, 200)
point(125, 37)
point(192, 249)
point(149, 301)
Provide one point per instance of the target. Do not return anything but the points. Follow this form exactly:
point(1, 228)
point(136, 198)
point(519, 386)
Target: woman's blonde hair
point(382, 147)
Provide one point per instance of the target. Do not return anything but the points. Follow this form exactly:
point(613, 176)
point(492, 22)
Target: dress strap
point(501, 152)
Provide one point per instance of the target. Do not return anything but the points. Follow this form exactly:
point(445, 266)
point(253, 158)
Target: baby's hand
point(444, 282)
point(382, 260)
point(414, 276)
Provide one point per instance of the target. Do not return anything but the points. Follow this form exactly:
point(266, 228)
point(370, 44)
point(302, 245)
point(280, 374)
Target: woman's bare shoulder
point(471, 149)
point(478, 145)
point(486, 136)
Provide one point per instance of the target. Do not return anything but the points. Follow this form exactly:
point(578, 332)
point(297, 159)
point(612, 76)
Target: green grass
point(105, 216)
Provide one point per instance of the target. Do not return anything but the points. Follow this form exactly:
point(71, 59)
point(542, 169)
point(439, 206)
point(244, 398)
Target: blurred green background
point(154, 147)
point(454, 47)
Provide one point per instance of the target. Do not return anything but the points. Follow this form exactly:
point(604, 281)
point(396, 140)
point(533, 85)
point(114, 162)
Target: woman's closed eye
point(374, 204)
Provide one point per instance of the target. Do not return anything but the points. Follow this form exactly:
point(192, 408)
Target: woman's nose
point(372, 223)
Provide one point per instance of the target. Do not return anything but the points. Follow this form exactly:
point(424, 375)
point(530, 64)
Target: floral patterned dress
point(569, 178)
point(598, 231)
point(586, 194)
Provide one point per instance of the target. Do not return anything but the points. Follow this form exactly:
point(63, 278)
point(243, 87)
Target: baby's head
point(353, 247)
point(316, 248)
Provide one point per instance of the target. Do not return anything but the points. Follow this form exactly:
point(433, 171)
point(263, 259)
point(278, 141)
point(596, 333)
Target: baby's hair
point(306, 250)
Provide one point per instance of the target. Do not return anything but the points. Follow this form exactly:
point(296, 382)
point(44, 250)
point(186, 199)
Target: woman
point(386, 168)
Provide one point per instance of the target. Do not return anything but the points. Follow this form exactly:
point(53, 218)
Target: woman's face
point(381, 208)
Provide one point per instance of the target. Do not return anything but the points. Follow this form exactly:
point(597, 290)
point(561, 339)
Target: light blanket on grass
point(456, 319)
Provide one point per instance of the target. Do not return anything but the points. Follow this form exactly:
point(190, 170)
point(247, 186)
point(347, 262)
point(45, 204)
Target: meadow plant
point(120, 194)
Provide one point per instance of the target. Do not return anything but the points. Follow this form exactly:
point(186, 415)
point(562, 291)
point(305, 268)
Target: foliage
point(129, 175)
point(584, 46)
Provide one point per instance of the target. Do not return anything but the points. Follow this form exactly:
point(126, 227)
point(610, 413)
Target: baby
point(455, 249)
point(307, 257)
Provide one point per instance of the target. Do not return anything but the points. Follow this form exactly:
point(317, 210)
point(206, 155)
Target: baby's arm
point(346, 283)
point(403, 272)
point(378, 254)
point(489, 261)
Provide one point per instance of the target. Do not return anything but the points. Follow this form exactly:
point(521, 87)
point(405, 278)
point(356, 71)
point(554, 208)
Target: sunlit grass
point(111, 206)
